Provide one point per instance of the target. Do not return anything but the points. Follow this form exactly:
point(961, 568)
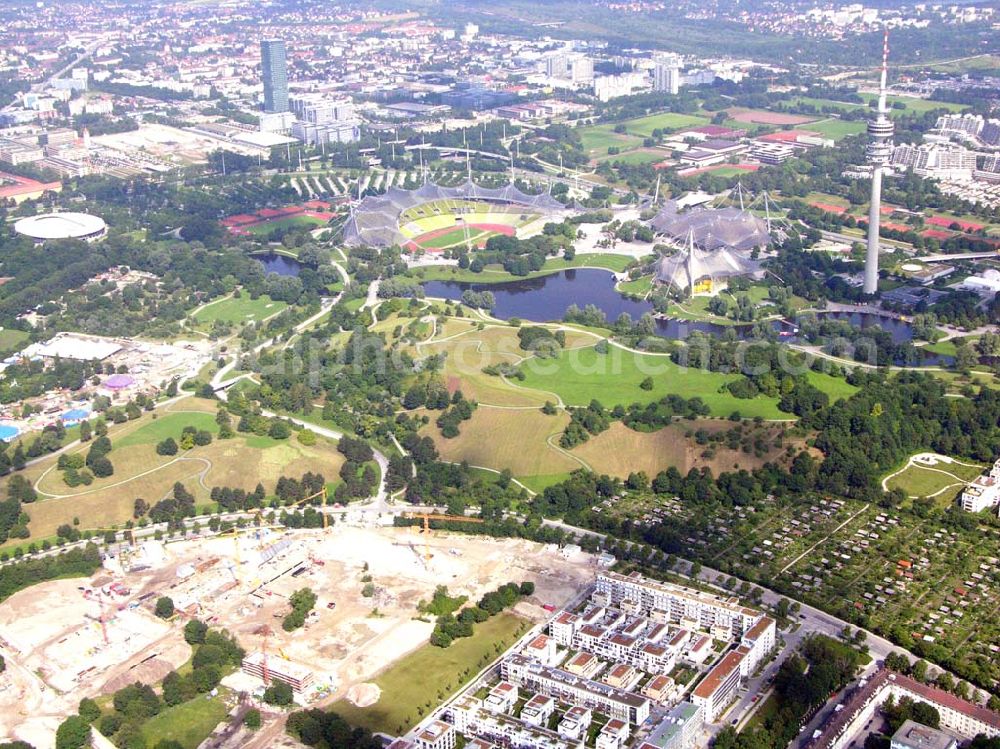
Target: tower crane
point(427, 517)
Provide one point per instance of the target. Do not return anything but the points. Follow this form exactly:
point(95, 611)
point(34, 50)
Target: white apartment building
point(678, 730)
point(471, 720)
point(332, 132)
point(570, 67)
point(574, 724)
point(759, 641)
point(984, 492)
point(544, 649)
point(320, 109)
point(667, 74)
point(608, 87)
point(643, 649)
point(972, 124)
point(613, 735)
point(567, 687)
point(538, 710)
point(437, 735)
point(944, 161)
point(501, 698)
point(718, 689)
point(724, 617)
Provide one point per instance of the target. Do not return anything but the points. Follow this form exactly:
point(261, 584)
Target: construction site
point(68, 639)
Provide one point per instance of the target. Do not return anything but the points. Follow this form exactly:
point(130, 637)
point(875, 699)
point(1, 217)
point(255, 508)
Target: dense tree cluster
point(591, 419)
point(302, 602)
point(79, 562)
point(449, 627)
point(802, 683)
point(328, 730)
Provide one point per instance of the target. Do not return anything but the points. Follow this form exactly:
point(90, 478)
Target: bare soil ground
point(51, 638)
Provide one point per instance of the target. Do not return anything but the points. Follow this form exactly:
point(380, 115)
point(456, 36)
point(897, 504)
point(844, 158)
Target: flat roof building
point(716, 691)
point(299, 678)
point(437, 735)
point(471, 720)
point(625, 706)
point(678, 730)
point(675, 603)
point(913, 735)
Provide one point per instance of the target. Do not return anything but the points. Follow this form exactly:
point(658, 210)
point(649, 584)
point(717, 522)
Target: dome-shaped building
point(49, 226)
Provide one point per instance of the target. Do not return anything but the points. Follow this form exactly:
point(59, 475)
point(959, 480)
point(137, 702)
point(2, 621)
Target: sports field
point(828, 104)
point(835, 129)
point(669, 121)
point(644, 156)
point(913, 104)
point(597, 139)
point(475, 235)
point(301, 221)
point(428, 674)
point(766, 117)
point(238, 310)
point(440, 224)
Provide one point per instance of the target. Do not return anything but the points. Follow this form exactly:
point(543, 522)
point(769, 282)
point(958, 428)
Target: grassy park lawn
point(941, 348)
point(943, 480)
point(922, 482)
point(980, 62)
point(500, 438)
point(237, 310)
point(188, 723)
point(241, 462)
point(355, 304)
point(430, 673)
point(11, 340)
point(639, 287)
point(837, 388)
point(167, 425)
point(581, 375)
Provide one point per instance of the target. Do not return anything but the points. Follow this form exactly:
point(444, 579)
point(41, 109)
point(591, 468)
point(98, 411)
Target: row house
point(566, 687)
point(471, 720)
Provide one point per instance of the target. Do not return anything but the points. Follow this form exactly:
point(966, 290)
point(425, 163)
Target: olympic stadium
point(718, 243)
point(435, 218)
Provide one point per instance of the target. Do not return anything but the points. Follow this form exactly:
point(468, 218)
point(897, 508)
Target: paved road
point(219, 380)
